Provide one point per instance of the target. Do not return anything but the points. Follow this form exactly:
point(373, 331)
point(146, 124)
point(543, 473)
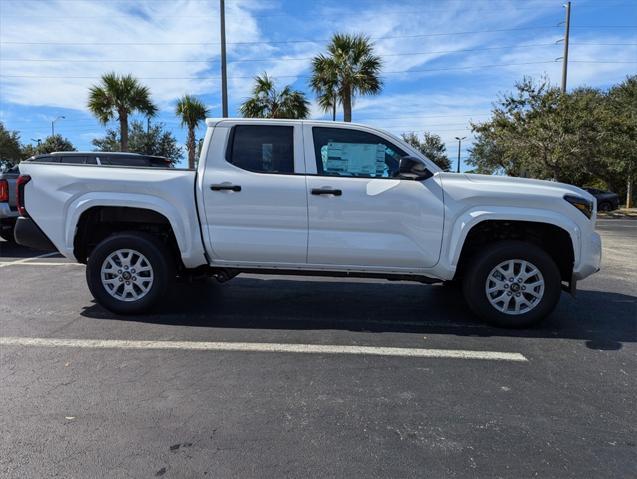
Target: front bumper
point(29, 234)
point(590, 256)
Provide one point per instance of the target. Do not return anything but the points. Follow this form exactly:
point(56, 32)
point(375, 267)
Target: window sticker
point(359, 159)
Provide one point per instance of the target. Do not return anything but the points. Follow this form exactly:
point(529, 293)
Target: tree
point(49, 145)
point(540, 132)
point(28, 150)
point(268, 102)
point(351, 67)
point(120, 96)
point(10, 151)
point(621, 155)
point(587, 136)
point(54, 143)
point(326, 89)
point(431, 146)
point(152, 141)
point(191, 111)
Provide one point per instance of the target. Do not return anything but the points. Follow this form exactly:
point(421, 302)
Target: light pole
point(567, 28)
point(53, 124)
point(38, 140)
point(224, 77)
point(459, 143)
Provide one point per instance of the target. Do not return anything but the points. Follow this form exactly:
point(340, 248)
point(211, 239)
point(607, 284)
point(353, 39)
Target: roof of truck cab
point(214, 121)
point(82, 153)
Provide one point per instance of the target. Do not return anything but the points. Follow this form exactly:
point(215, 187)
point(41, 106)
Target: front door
point(360, 213)
point(255, 194)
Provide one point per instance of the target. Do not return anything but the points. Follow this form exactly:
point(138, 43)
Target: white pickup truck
point(313, 198)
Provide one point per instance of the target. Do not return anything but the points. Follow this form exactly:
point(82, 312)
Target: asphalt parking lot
point(274, 377)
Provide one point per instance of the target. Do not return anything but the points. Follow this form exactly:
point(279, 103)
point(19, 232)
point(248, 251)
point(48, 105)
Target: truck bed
point(68, 191)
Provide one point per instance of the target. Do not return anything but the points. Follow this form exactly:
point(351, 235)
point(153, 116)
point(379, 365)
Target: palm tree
point(326, 90)
point(192, 111)
point(351, 66)
point(267, 102)
point(121, 96)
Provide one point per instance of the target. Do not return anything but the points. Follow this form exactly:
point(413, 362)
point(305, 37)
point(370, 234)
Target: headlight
point(582, 204)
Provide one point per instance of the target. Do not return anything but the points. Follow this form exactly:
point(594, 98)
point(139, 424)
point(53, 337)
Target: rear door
point(254, 193)
point(360, 214)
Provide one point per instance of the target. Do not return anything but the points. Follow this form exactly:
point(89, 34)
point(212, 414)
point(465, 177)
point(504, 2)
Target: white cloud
point(187, 31)
point(593, 61)
point(183, 31)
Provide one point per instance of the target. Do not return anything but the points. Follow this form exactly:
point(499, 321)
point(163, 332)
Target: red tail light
point(4, 191)
point(22, 181)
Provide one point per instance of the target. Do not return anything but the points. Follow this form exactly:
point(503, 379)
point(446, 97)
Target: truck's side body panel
point(57, 195)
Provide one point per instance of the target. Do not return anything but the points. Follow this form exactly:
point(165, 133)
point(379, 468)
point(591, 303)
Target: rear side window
point(262, 149)
point(48, 159)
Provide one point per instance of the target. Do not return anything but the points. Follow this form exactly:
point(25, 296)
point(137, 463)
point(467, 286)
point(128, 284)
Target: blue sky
point(445, 61)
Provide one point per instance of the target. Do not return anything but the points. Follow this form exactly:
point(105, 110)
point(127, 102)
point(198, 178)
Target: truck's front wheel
point(512, 284)
point(129, 272)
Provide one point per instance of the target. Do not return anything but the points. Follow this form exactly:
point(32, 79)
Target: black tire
point(605, 206)
point(480, 267)
point(7, 235)
point(451, 284)
point(159, 257)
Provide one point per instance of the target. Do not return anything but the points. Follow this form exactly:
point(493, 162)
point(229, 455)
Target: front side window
point(347, 152)
point(262, 148)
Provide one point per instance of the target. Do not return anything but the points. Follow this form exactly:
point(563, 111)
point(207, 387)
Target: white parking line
point(263, 347)
point(25, 260)
point(40, 263)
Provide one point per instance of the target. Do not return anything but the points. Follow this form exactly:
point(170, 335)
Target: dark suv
point(606, 200)
point(103, 158)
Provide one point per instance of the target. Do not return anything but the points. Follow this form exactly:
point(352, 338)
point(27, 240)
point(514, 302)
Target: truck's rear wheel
point(7, 235)
point(129, 272)
point(512, 284)
point(6, 230)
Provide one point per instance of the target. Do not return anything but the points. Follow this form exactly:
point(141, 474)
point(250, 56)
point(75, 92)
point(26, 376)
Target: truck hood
point(463, 192)
point(488, 185)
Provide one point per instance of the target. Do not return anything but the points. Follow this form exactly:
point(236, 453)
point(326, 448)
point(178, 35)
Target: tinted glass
point(158, 161)
point(345, 152)
point(73, 159)
point(48, 159)
point(120, 160)
point(263, 149)
point(91, 160)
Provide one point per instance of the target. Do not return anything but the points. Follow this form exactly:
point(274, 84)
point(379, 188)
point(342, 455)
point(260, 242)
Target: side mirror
point(411, 168)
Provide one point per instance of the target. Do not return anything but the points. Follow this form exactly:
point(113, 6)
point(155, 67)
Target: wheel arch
point(133, 210)
point(99, 222)
point(556, 234)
